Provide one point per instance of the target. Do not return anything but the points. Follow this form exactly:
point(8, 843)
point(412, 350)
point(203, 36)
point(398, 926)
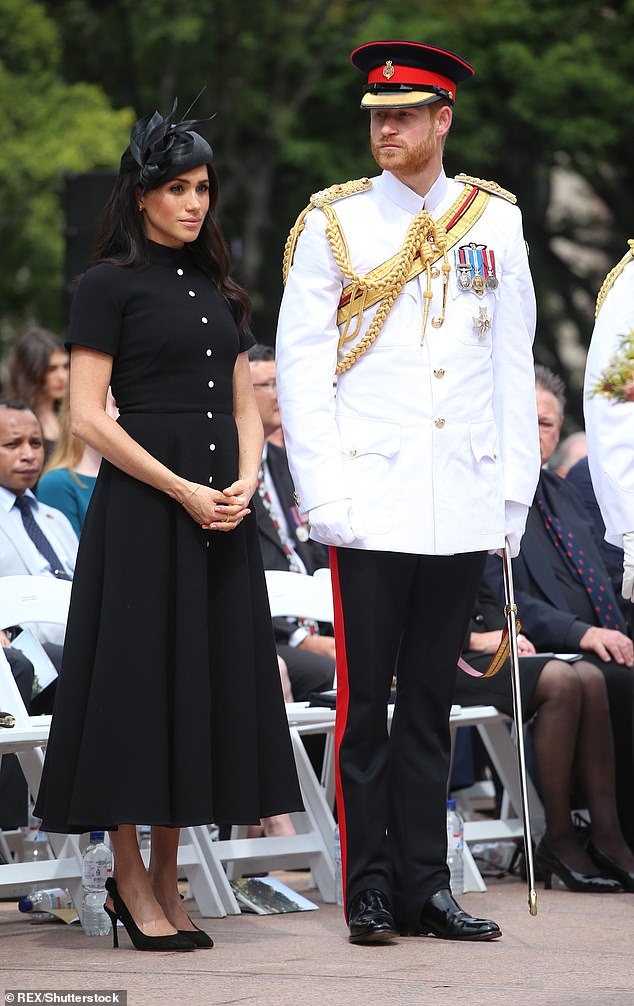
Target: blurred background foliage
point(548, 115)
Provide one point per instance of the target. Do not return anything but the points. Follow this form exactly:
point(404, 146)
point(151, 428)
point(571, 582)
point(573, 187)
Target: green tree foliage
point(550, 103)
point(48, 128)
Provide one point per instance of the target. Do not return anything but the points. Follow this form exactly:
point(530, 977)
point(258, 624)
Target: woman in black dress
point(169, 709)
point(571, 736)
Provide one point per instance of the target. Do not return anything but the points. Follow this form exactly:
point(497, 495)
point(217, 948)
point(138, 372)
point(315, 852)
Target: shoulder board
point(608, 282)
point(334, 192)
point(491, 187)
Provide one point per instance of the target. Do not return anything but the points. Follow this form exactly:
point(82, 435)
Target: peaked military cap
point(407, 74)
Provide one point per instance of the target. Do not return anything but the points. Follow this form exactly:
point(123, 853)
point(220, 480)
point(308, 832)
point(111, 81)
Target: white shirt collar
point(7, 498)
point(409, 200)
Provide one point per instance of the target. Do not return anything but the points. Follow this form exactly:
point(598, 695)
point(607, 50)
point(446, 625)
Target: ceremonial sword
point(510, 611)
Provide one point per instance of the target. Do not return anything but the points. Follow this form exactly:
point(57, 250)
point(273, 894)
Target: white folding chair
point(299, 596)
point(28, 599)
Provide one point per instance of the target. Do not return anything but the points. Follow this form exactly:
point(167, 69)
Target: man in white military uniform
point(414, 288)
point(609, 412)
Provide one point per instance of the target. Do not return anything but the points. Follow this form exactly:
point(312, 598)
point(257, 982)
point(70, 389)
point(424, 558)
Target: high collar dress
point(169, 709)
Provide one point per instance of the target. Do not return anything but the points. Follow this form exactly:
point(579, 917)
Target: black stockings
point(572, 728)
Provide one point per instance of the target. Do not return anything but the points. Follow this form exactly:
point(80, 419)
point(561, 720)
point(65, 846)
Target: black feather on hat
point(164, 149)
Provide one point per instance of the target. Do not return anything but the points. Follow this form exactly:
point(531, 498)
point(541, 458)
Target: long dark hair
point(121, 238)
point(28, 364)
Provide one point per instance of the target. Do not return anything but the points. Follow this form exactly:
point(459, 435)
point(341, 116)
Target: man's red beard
point(407, 160)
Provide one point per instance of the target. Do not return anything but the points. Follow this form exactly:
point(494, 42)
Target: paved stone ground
point(579, 949)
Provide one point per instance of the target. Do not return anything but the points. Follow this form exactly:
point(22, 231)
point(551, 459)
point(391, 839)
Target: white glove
point(515, 515)
point(334, 523)
point(628, 566)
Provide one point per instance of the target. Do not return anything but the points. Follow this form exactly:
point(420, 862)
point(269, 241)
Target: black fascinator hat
point(164, 149)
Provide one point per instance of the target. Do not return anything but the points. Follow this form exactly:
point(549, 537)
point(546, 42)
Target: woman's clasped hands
point(219, 511)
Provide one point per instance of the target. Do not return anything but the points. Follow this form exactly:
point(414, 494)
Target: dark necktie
point(599, 593)
point(39, 539)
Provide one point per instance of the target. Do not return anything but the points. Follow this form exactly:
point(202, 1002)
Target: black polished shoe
point(611, 867)
point(370, 918)
point(443, 917)
point(549, 863)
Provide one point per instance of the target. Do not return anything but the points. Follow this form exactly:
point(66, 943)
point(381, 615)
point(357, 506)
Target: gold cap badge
point(388, 69)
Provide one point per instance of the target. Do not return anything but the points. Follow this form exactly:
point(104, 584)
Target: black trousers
point(407, 615)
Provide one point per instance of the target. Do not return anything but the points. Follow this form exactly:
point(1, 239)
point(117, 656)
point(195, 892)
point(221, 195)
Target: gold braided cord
point(319, 200)
point(425, 242)
point(608, 282)
point(423, 236)
point(465, 222)
point(291, 242)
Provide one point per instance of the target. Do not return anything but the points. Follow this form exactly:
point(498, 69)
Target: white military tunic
point(610, 425)
point(427, 441)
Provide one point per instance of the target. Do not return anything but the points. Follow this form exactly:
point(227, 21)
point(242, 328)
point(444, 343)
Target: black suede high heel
point(177, 941)
point(200, 939)
point(549, 863)
point(611, 867)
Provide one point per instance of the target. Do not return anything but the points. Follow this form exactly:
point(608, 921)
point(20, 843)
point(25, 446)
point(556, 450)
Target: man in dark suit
point(307, 648)
point(564, 595)
point(579, 476)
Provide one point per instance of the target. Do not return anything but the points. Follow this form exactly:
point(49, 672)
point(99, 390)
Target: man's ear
point(444, 120)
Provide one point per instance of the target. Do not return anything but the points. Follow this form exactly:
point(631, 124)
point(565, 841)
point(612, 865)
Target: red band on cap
point(410, 75)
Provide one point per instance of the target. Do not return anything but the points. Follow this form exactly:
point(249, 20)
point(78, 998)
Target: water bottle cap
point(451, 804)
point(97, 836)
point(25, 904)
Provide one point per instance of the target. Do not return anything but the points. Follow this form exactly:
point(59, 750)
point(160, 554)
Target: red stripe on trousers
point(343, 696)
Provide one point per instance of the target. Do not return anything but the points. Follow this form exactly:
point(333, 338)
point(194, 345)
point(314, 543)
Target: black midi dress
point(169, 709)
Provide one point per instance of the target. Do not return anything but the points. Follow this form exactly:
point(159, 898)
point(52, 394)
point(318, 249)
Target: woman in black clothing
point(169, 652)
point(571, 735)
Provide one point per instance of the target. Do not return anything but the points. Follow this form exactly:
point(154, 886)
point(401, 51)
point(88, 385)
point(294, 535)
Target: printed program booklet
point(269, 896)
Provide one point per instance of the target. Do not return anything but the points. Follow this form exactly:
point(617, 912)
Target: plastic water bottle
point(34, 841)
point(338, 872)
point(46, 899)
point(96, 868)
point(455, 846)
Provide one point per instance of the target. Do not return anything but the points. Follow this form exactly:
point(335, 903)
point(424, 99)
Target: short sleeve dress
point(169, 709)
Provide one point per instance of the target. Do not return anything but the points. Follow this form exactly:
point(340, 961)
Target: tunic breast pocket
point(370, 450)
point(472, 314)
point(486, 484)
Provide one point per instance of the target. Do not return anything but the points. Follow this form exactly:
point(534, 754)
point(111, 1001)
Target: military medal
point(301, 531)
point(463, 269)
point(491, 280)
point(481, 323)
point(477, 268)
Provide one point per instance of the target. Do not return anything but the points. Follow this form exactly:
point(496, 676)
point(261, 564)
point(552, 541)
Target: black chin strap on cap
point(164, 149)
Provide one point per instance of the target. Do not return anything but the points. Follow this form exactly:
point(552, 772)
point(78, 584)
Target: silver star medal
point(481, 323)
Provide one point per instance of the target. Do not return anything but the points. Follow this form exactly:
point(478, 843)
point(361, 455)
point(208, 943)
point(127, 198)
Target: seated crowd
point(581, 708)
